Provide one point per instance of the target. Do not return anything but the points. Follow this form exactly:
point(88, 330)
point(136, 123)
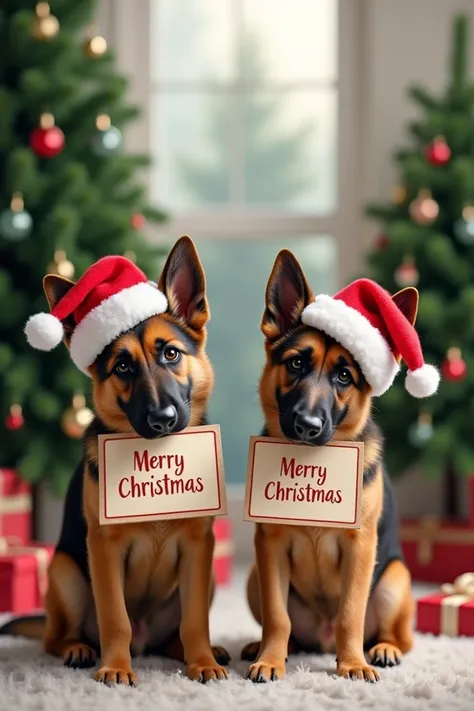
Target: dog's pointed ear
point(407, 301)
point(287, 295)
point(55, 287)
point(184, 284)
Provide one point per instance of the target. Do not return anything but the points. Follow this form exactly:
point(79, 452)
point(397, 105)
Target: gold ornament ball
point(45, 26)
point(424, 210)
point(399, 194)
point(61, 265)
point(95, 47)
point(76, 418)
point(70, 425)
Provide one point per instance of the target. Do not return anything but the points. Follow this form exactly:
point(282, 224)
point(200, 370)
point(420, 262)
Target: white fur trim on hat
point(112, 317)
point(423, 381)
point(44, 331)
point(355, 332)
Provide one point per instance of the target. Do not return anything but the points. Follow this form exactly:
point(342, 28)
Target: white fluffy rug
point(438, 674)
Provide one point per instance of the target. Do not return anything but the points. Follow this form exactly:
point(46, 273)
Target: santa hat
point(368, 323)
point(111, 297)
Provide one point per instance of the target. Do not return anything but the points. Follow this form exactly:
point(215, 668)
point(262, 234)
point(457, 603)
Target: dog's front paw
point(263, 671)
point(79, 656)
point(114, 675)
point(206, 672)
point(385, 654)
point(357, 671)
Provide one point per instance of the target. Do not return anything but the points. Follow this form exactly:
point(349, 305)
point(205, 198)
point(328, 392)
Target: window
point(252, 124)
point(244, 99)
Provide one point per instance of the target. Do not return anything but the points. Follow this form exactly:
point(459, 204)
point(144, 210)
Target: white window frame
point(126, 25)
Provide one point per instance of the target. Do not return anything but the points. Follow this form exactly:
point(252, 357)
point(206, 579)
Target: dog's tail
point(30, 626)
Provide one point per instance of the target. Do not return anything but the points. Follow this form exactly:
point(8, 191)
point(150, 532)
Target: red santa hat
point(364, 319)
point(111, 297)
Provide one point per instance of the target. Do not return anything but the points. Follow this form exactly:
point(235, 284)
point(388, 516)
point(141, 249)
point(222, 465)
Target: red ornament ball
point(454, 368)
point(438, 152)
point(14, 420)
point(381, 243)
point(138, 221)
point(407, 274)
point(47, 140)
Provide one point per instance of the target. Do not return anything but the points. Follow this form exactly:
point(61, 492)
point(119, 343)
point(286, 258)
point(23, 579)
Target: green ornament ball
point(420, 433)
point(15, 225)
point(107, 142)
point(464, 230)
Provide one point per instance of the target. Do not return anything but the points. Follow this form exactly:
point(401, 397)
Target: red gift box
point(434, 550)
point(15, 507)
point(23, 577)
point(452, 615)
point(223, 550)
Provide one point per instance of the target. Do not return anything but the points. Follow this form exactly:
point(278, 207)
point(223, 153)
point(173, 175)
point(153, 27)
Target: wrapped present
point(23, 575)
point(15, 506)
point(449, 612)
point(222, 551)
point(434, 550)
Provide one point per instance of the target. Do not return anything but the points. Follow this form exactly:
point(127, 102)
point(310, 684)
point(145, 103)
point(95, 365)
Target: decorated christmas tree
point(427, 241)
point(68, 196)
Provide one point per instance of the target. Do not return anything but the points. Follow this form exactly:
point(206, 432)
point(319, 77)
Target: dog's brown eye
point(295, 365)
point(172, 354)
point(344, 377)
point(123, 368)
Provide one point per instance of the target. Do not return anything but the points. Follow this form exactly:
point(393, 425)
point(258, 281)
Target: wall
point(402, 42)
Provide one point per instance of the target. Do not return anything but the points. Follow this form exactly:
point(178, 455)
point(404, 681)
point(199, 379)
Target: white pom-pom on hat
point(44, 331)
point(423, 381)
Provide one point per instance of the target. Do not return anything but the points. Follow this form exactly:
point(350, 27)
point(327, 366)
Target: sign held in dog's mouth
point(296, 484)
point(178, 476)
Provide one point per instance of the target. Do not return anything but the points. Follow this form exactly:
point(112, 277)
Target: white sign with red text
point(178, 476)
point(296, 484)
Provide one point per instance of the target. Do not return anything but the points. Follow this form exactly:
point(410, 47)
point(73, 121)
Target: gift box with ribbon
point(223, 550)
point(23, 575)
point(436, 550)
point(449, 612)
point(15, 506)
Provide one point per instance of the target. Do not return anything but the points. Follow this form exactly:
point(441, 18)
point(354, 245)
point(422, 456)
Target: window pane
point(290, 149)
point(237, 274)
point(192, 144)
point(298, 38)
point(274, 149)
point(192, 41)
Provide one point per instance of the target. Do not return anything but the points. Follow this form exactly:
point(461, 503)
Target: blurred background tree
point(276, 169)
point(428, 242)
point(68, 196)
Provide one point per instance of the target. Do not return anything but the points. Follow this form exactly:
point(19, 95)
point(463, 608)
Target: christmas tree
point(68, 196)
point(427, 241)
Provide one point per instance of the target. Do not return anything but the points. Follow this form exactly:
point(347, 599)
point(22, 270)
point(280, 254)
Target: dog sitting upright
point(143, 587)
point(327, 589)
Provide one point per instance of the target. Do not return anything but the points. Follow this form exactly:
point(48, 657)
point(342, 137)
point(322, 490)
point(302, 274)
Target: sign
point(296, 484)
point(178, 476)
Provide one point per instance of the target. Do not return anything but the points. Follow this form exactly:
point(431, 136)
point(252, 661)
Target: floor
point(438, 674)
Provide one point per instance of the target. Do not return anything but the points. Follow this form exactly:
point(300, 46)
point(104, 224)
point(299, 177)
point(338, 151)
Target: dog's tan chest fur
point(151, 564)
point(315, 566)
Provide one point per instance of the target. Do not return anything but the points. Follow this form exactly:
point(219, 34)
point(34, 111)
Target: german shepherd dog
point(137, 588)
point(325, 589)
